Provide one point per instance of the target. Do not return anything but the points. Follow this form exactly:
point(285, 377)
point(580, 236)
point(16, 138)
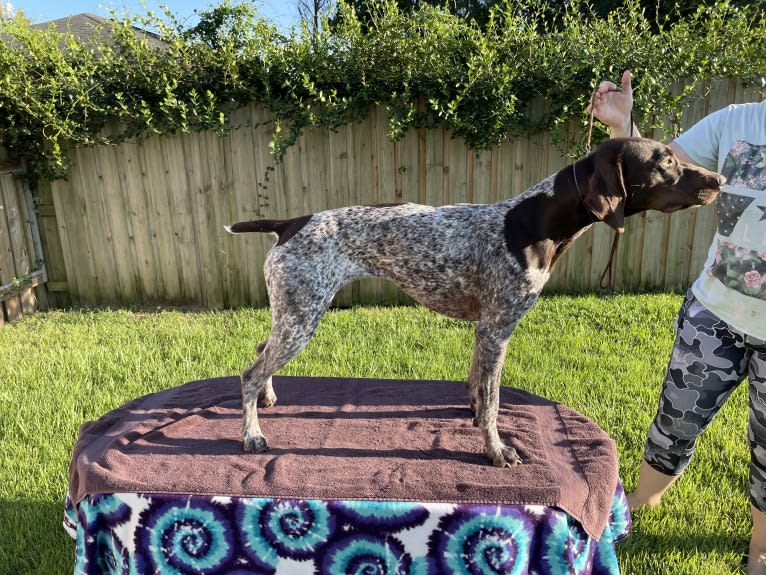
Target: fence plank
point(505, 161)
point(654, 250)
point(33, 245)
point(22, 263)
point(161, 222)
point(458, 170)
point(145, 267)
point(434, 168)
point(115, 206)
point(217, 185)
point(13, 307)
point(4, 241)
point(411, 171)
point(51, 240)
point(197, 151)
point(630, 252)
point(183, 218)
point(90, 185)
point(482, 176)
point(72, 218)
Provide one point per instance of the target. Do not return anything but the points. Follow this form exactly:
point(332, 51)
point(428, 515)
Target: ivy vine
point(426, 68)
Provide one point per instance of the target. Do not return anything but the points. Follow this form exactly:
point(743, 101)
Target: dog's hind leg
point(292, 327)
point(256, 381)
point(484, 383)
point(267, 397)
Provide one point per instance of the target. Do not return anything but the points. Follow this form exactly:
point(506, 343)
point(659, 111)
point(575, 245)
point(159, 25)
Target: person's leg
point(756, 432)
point(650, 488)
point(708, 361)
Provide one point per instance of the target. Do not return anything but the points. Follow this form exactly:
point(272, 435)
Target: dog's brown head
point(631, 175)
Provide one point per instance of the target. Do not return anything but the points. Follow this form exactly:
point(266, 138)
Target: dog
point(485, 263)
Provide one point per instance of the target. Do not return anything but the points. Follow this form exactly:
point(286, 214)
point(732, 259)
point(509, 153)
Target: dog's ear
point(606, 193)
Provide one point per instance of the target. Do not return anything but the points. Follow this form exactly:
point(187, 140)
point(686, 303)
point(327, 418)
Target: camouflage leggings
point(709, 360)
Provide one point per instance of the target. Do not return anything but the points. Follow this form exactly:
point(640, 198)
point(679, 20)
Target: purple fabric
point(175, 534)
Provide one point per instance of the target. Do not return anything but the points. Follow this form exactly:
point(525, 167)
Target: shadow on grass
point(33, 540)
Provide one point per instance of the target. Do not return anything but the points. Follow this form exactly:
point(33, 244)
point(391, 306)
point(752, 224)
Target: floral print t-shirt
point(732, 284)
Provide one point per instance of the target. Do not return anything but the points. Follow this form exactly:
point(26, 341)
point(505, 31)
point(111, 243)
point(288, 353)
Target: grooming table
point(363, 476)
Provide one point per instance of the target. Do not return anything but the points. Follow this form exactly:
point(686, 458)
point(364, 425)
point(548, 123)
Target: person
point(720, 334)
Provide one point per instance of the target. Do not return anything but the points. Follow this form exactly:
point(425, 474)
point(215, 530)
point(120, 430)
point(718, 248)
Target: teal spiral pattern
point(567, 549)
point(366, 555)
point(285, 528)
point(188, 537)
point(493, 542)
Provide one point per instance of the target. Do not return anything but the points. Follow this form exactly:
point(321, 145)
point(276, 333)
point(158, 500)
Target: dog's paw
point(256, 444)
point(507, 457)
point(267, 398)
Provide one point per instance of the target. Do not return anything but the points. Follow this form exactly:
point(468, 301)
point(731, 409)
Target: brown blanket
point(349, 439)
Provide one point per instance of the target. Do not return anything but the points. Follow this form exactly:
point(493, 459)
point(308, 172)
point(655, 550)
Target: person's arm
point(681, 154)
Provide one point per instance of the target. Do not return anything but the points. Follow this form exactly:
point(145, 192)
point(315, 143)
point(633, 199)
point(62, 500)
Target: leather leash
point(609, 269)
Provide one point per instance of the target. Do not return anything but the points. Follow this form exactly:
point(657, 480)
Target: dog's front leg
point(484, 385)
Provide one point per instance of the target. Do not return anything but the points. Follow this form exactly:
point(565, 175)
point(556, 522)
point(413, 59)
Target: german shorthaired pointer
point(482, 263)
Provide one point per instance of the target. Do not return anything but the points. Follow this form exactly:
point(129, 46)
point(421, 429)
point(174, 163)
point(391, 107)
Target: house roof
point(86, 27)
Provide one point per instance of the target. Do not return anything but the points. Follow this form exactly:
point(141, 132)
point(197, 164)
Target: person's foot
point(756, 561)
point(637, 501)
point(757, 549)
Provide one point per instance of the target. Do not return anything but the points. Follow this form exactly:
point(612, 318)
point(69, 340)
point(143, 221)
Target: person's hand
point(613, 106)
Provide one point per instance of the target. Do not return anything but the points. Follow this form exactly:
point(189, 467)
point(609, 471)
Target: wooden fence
point(143, 222)
point(22, 272)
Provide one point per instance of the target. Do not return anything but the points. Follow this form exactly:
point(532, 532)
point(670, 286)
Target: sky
point(283, 13)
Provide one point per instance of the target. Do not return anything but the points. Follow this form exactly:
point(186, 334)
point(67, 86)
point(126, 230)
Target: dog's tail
point(285, 229)
point(256, 226)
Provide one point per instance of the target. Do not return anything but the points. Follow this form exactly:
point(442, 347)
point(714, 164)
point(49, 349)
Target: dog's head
point(631, 175)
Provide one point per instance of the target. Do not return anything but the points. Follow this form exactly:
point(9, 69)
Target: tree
point(226, 24)
point(659, 12)
point(662, 11)
point(311, 11)
point(477, 10)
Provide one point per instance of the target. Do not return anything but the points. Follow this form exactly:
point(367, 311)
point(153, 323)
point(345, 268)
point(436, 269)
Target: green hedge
point(426, 68)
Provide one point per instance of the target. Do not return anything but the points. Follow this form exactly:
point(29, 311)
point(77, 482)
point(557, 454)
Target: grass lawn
point(603, 356)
